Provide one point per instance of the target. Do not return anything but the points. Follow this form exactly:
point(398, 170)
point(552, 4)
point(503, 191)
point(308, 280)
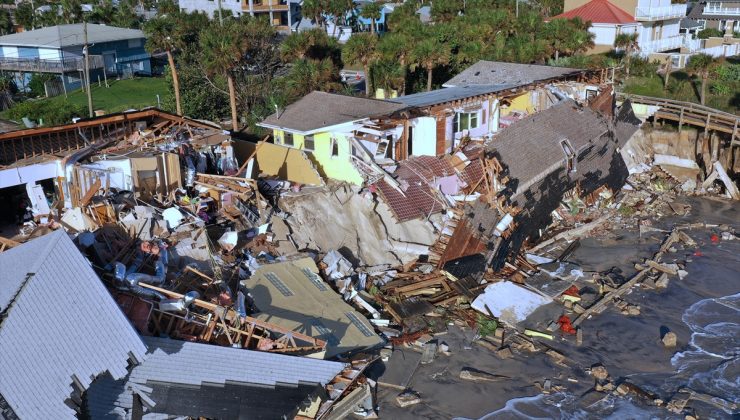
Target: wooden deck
point(690, 113)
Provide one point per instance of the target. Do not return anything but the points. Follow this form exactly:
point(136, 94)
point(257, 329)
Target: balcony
point(39, 65)
point(265, 6)
point(661, 45)
point(719, 9)
point(648, 14)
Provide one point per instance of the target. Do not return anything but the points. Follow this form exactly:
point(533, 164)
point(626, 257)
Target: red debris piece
point(572, 291)
point(698, 253)
point(714, 238)
point(565, 325)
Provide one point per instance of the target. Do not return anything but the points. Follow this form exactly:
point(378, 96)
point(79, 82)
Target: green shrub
point(36, 84)
point(50, 112)
point(728, 72)
point(709, 32)
point(721, 88)
point(486, 326)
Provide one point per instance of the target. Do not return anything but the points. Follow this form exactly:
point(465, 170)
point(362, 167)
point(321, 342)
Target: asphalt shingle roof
point(531, 148)
point(320, 109)
point(500, 73)
point(60, 321)
point(61, 36)
point(189, 364)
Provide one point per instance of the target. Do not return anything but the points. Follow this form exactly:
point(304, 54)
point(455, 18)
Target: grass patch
point(120, 96)
point(681, 87)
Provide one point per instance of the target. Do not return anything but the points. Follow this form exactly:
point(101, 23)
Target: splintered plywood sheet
point(509, 302)
point(287, 163)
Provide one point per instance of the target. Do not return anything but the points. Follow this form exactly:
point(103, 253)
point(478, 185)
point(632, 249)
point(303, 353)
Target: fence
point(40, 65)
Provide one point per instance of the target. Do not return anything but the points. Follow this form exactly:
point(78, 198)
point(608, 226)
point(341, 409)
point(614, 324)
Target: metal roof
point(62, 36)
point(449, 94)
point(598, 11)
point(60, 322)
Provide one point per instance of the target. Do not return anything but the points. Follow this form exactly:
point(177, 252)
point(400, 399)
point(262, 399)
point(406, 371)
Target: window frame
point(288, 135)
point(309, 138)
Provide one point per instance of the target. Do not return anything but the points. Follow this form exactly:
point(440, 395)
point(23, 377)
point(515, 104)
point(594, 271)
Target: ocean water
point(711, 362)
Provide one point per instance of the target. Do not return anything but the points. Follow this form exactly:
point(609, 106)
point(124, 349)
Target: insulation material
point(509, 302)
point(287, 163)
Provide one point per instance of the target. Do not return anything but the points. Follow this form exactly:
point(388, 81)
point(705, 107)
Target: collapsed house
point(533, 165)
point(48, 282)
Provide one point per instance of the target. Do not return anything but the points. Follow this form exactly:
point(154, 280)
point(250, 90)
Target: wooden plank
point(90, 193)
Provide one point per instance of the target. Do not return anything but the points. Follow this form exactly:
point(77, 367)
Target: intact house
point(722, 15)
point(282, 14)
point(656, 23)
point(114, 52)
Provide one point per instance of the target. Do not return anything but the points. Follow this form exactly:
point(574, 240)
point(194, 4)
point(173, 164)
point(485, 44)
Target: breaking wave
point(711, 361)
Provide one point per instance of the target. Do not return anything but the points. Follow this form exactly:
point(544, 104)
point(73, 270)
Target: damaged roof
point(292, 295)
point(499, 73)
point(59, 322)
point(242, 381)
point(449, 94)
point(417, 174)
point(531, 147)
point(320, 109)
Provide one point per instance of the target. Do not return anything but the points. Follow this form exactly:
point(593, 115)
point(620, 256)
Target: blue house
point(363, 24)
point(114, 52)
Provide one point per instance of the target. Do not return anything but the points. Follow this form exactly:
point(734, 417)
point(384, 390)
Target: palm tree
point(628, 42)
point(362, 49)
point(25, 15)
point(315, 10)
point(372, 11)
point(307, 76)
point(6, 22)
point(295, 46)
point(222, 49)
point(159, 32)
point(702, 65)
point(428, 54)
point(396, 46)
point(71, 11)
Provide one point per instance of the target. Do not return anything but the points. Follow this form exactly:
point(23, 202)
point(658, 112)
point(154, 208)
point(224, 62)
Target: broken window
point(308, 143)
point(288, 139)
point(465, 121)
point(334, 148)
point(570, 155)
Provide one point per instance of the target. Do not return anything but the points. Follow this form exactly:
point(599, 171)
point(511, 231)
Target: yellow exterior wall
point(339, 167)
point(522, 102)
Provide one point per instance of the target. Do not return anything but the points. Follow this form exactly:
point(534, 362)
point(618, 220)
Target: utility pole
point(86, 52)
point(220, 15)
point(517, 8)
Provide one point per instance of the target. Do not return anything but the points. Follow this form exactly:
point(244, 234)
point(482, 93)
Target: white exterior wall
point(49, 54)
point(211, 6)
point(650, 3)
point(671, 28)
point(604, 33)
point(424, 137)
point(118, 172)
point(30, 174)
point(10, 51)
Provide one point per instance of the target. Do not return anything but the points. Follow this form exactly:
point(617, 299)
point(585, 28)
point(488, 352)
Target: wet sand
point(629, 347)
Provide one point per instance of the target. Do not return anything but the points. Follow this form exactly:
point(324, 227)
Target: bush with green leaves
point(709, 33)
point(36, 84)
point(728, 73)
point(644, 67)
point(48, 112)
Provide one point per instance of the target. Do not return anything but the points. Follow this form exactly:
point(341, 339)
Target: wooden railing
point(49, 66)
point(690, 113)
